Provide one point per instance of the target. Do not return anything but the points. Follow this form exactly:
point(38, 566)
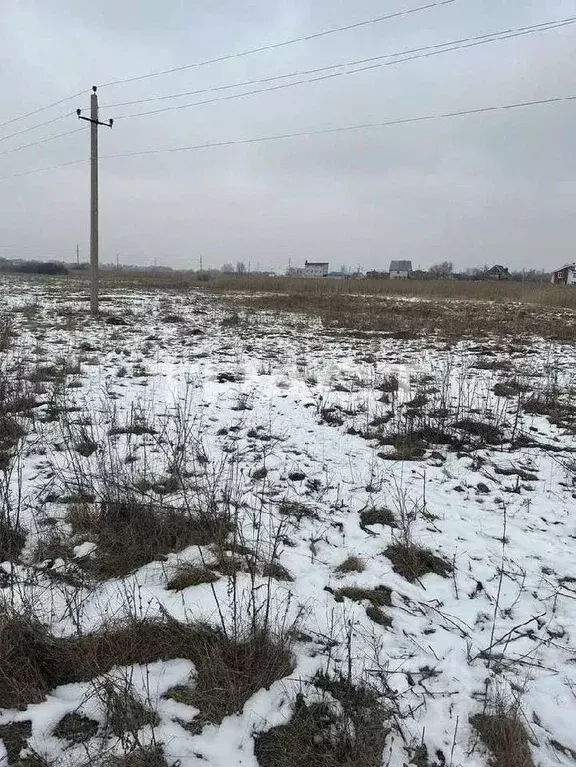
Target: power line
point(42, 109)
point(370, 66)
point(35, 127)
point(321, 132)
point(283, 43)
point(41, 141)
point(42, 170)
point(458, 43)
point(348, 128)
point(227, 57)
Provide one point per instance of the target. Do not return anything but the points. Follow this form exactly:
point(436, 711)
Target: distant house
point(316, 268)
point(400, 270)
point(498, 272)
point(566, 275)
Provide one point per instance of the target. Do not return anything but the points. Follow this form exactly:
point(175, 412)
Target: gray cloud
point(475, 189)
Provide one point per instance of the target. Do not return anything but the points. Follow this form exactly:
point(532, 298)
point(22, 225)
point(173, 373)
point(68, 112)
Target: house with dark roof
point(498, 272)
point(566, 275)
point(400, 270)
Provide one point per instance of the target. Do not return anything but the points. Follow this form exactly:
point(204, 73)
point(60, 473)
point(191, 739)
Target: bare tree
point(228, 269)
point(240, 267)
point(442, 270)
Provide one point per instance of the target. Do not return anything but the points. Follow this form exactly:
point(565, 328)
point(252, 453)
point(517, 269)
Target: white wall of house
point(569, 278)
point(316, 270)
point(397, 275)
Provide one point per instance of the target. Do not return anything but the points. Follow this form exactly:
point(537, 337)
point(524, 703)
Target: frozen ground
point(304, 432)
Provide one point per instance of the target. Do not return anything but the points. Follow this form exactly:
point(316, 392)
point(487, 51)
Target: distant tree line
point(31, 267)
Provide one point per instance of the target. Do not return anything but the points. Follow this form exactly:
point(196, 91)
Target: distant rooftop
point(400, 266)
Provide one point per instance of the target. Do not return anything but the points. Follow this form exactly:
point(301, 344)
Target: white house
point(566, 275)
point(400, 270)
point(316, 268)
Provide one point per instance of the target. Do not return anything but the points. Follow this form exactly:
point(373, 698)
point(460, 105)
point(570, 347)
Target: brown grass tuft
point(412, 562)
point(378, 597)
point(377, 516)
point(131, 533)
point(347, 729)
point(505, 737)
point(276, 570)
point(190, 575)
point(76, 728)
point(351, 565)
point(33, 662)
point(14, 736)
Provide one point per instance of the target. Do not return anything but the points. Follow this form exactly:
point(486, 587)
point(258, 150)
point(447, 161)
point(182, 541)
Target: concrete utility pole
point(94, 123)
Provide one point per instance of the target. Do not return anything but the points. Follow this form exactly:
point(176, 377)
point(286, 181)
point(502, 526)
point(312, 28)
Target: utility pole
point(201, 269)
point(117, 262)
point(78, 256)
point(94, 123)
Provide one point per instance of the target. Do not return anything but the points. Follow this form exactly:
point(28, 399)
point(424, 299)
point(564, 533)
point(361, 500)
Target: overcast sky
point(482, 189)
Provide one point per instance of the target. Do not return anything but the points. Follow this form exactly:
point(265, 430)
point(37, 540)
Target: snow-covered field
point(318, 448)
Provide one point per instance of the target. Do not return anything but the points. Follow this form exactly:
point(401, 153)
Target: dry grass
point(351, 565)
point(277, 571)
point(447, 319)
point(297, 510)
point(190, 575)
point(378, 597)
point(229, 673)
point(544, 294)
point(140, 756)
point(12, 539)
point(412, 562)
point(14, 737)
point(506, 739)
point(132, 532)
point(126, 714)
point(76, 728)
point(33, 662)
point(347, 729)
point(377, 516)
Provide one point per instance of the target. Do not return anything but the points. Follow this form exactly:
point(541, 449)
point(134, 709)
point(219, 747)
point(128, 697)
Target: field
point(267, 524)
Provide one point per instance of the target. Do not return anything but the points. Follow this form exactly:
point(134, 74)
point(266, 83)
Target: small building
point(566, 275)
point(400, 270)
point(498, 272)
point(316, 268)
